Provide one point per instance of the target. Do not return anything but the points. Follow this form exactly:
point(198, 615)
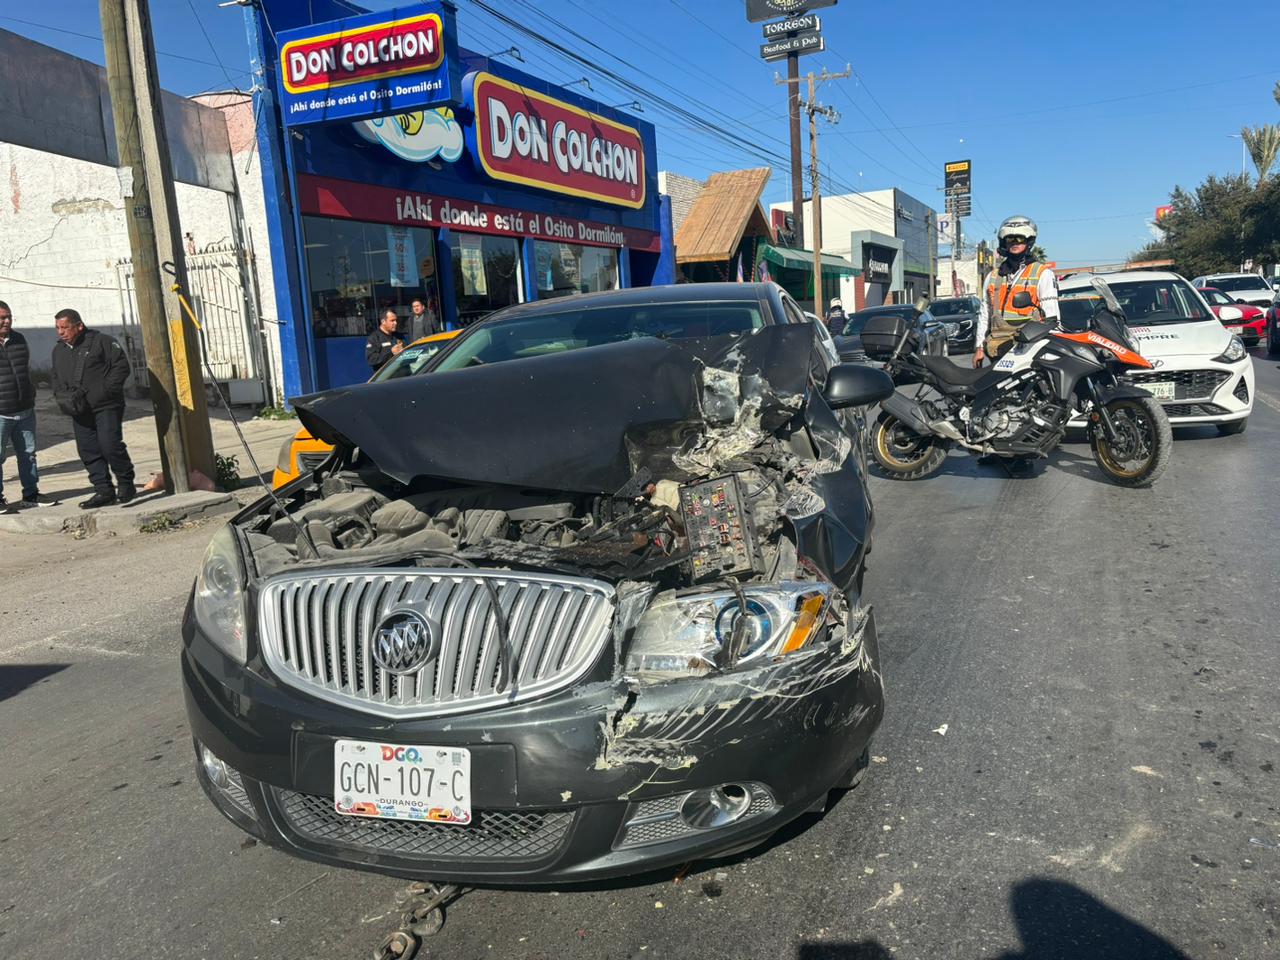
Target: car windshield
point(409, 361)
point(571, 328)
point(1241, 283)
point(1145, 303)
point(953, 307)
point(1216, 298)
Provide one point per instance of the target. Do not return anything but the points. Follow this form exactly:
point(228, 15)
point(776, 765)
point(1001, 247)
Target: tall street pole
point(168, 337)
point(815, 175)
point(797, 162)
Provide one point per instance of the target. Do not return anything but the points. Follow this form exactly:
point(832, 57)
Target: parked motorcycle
point(1020, 407)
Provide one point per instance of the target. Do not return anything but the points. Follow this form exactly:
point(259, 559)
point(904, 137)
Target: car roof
point(1231, 276)
point(635, 296)
point(1081, 280)
point(436, 337)
point(888, 308)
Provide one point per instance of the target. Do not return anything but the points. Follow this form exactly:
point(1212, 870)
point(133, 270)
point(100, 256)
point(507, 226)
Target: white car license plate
point(1163, 390)
point(402, 782)
point(1236, 330)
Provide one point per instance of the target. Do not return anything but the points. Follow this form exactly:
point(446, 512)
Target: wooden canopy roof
point(727, 208)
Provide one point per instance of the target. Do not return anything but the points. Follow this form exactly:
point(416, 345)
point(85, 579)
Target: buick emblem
point(404, 642)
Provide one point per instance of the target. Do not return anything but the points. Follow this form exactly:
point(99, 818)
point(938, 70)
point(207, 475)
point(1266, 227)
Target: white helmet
point(1016, 226)
point(835, 302)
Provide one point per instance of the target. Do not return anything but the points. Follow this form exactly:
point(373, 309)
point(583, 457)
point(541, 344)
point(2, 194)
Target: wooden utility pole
point(813, 108)
point(797, 162)
point(169, 339)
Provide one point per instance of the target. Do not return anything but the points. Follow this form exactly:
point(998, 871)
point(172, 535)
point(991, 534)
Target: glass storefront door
point(357, 270)
point(486, 274)
point(569, 268)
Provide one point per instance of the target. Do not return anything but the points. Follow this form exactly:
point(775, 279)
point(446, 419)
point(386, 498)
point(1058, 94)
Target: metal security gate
point(227, 308)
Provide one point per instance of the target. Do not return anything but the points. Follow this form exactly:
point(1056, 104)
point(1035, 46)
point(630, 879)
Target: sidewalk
point(63, 477)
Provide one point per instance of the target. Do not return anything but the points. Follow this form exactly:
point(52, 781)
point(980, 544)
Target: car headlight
point(688, 636)
point(284, 462)
point(219, 599)
point(1235, 351)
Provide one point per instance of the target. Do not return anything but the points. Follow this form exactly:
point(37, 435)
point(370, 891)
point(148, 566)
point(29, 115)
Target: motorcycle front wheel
point(901, 452)
point(1143, 443)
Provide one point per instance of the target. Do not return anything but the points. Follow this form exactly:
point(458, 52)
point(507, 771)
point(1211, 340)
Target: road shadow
point(1055, 921)
point(16, 677)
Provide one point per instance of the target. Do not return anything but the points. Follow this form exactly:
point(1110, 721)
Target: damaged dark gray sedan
point(584, 601)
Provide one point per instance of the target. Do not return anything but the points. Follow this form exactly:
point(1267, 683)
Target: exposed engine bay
point(724, 463)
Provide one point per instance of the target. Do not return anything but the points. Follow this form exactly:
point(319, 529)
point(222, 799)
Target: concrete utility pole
point(797, 162)
point(169, 339)
point(813, 108)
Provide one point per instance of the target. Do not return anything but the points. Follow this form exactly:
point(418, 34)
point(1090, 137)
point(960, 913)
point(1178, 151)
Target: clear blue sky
point(1083, 116)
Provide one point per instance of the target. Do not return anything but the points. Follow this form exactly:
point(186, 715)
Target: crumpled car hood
point(584, 421)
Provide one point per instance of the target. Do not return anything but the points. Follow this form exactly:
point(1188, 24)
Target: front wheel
point(1143, 443)
point(901, 452)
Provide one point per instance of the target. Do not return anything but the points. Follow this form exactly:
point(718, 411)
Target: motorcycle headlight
point(689, 636)
point(219, 600)
point(1235, 351)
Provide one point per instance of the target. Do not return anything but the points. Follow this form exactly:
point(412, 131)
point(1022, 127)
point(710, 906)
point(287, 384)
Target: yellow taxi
point(302, 451)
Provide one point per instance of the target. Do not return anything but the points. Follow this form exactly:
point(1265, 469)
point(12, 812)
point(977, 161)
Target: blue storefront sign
point(409, 206)
point(377, 64)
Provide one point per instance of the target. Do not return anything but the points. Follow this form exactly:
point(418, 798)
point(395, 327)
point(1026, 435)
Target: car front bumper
point(582, 785)
point(1198, 398)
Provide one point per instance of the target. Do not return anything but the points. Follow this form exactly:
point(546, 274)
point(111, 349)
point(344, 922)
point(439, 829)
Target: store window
point(357, 270)
point(567, 268)
point(486, 274)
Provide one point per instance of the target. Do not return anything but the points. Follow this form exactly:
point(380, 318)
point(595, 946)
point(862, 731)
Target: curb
point(152, 511)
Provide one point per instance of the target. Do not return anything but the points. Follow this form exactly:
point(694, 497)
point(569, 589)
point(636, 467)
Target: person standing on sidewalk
point(385, 342)
point(18, 413)
point(89, 373)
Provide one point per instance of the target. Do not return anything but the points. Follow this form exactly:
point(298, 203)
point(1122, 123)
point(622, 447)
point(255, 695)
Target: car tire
point(1234, 428)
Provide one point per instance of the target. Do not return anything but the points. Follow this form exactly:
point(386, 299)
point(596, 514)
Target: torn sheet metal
point(583, 421)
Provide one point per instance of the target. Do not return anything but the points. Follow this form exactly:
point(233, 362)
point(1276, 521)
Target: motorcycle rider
point(836, 318)
point(1018, 272)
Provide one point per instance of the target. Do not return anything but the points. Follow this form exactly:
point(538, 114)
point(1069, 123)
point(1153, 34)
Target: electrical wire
point(98, 37)
point(200, 23)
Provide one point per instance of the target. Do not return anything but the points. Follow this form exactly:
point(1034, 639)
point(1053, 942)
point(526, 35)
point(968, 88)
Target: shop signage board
point(792, 25)
point(877, 262)
point(348, 200)
point(526, 137)
point(946, 230)
point(958, 186)
point(758, 10)
point(778, 49)
point(375, 64)
point(1163, 211)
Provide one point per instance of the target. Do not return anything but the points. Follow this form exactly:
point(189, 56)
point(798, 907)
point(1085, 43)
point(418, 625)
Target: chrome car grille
point(492, 835)
point(1188, 384)
point(318, 630)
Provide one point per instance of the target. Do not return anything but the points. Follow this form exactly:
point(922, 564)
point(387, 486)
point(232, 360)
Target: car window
point(1234, 284)
point(573, 328)
point(409, 362)
point(952, 307)
point(1216, 298)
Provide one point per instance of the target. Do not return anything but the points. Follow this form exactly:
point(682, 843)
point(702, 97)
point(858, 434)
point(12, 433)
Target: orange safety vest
point(1004, 316)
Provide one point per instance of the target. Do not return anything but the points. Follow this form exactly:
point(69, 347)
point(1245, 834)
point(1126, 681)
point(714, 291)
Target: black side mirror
point(1021, 300)
point(856, 385)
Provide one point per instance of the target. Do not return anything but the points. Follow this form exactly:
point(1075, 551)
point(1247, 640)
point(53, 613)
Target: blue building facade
point(446, 177)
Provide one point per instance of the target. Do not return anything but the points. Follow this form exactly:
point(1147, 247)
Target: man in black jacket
point(18, 412)
point(384, 343)
point(89, 372)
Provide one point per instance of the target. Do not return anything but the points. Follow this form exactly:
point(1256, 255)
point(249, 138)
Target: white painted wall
point(845, 214)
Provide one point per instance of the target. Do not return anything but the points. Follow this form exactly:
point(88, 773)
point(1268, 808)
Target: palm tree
point(1263, 143)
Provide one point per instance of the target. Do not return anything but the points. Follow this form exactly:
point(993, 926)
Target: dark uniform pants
point(100, 442)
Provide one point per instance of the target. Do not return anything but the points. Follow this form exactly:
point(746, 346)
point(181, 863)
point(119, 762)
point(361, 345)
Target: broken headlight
point(691, 635)
point(218, 605)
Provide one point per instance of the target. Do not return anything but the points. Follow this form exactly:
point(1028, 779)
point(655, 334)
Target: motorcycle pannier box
point(884, 332)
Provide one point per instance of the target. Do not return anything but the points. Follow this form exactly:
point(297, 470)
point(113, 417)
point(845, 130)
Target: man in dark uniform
point(89, 373)
point(384, 343)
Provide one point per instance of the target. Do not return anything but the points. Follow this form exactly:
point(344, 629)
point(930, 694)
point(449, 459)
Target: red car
point(1248, 322)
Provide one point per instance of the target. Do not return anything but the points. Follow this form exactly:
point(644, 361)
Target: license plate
point(1161, 391)
point(402, 782)
point(1236, 330)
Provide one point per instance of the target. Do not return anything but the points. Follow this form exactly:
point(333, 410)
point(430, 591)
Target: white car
point(1249, 287)
point(1202, 373)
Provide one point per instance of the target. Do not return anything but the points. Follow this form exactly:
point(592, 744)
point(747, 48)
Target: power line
point(98, 37)
point(200, 23)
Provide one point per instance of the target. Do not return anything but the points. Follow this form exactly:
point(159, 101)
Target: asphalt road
point(1103, 663)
